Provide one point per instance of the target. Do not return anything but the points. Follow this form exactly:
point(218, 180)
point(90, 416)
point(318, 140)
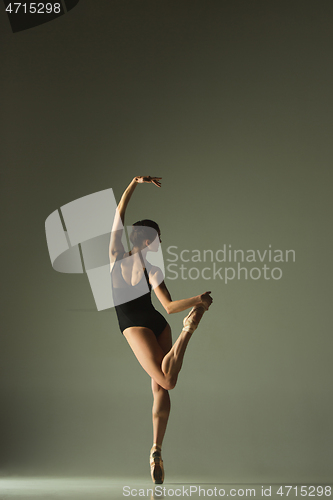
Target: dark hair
point(144, 230)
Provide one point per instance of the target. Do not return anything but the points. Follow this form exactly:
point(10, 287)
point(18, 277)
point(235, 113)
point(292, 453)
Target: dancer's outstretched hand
point(206, 299)
point(154, 180)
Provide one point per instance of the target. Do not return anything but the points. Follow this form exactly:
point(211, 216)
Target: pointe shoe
point(192, 320)
point(156, 466)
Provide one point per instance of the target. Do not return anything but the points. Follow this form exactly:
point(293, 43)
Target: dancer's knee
point(167, 384)
point(170, 383)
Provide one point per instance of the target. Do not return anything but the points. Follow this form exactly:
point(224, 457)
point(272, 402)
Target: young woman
point(144, 328)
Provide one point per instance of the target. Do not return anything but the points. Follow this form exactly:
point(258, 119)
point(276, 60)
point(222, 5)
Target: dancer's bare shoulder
point(156, 276)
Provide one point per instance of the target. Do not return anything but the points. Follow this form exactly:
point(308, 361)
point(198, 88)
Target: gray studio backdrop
point(231, 103)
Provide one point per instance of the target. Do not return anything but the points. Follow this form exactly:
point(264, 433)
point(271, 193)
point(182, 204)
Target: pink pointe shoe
point(193, 318)
point(156, 465)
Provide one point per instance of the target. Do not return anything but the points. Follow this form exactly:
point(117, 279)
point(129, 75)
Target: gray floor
point(120, 488)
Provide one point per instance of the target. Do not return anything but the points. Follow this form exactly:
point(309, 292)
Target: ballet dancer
point(145, 329)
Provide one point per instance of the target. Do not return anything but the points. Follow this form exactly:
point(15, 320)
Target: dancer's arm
point(116, 247)
point(174, 306)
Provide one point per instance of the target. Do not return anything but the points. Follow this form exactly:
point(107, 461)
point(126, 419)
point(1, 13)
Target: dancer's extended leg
point(173, 360)
point(163, 368)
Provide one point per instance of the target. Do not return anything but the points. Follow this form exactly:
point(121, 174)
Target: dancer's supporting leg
point(160, 413)
point(161, 405)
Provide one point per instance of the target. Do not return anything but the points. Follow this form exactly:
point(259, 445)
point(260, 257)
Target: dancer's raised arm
point(116, 247)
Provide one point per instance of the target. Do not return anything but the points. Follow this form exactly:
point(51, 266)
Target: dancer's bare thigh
point(165, 339)
point(148, 351)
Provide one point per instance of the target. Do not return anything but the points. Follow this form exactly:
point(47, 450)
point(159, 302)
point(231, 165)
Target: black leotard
point(133, 303)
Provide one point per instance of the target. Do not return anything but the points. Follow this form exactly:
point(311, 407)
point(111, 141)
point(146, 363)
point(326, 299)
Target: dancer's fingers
point(148, 178)
point(206, 299)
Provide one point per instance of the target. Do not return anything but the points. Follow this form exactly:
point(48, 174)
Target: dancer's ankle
point(191, 324)
point(156, 446)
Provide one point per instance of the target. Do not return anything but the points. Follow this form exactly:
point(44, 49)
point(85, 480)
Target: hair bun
point(143, 230)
